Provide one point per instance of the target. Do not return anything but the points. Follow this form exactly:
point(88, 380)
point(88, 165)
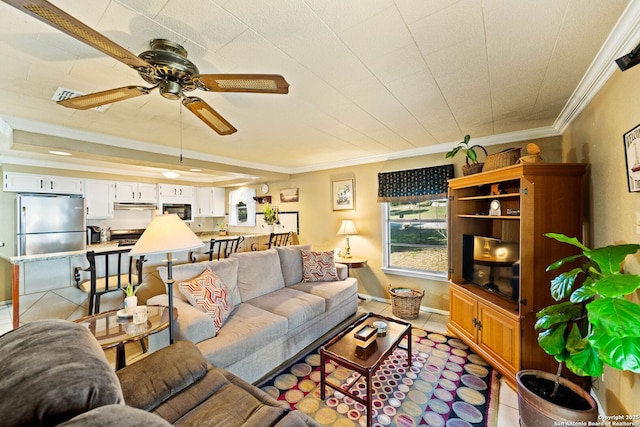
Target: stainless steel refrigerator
point(50, 223)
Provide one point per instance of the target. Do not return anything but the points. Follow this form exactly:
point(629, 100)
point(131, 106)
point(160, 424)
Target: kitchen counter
point(33, 273)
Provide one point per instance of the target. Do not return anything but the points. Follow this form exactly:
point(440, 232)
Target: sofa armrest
point(152, 380)
point(192, 323)
point(342, 270)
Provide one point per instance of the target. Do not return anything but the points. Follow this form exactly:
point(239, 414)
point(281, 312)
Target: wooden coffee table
point(342, 350)
point(113, 331)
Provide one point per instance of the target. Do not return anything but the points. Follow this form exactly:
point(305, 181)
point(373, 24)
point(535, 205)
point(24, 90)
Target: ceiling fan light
point(170, 89)
point(170, 174)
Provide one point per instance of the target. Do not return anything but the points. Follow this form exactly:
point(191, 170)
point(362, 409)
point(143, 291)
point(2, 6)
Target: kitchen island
point(32, 274)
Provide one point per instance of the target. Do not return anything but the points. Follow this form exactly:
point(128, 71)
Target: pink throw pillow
point(209, 293)
point(318, 266)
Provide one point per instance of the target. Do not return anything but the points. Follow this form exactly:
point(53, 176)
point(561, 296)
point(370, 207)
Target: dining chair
point(219, 248)
point(109, 271)
point(278, 239)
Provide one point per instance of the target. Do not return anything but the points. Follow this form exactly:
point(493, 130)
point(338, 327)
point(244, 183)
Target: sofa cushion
point(334, 293)
point(116, 415)
point(53, 370)
point(318, 266)
point(258, 273)
point(232, 406)
point(162, 374)
point(192, 324)
point(208, 293)
point(291, 262)
point(226, 269)
point(298, 307)
point(247, 329)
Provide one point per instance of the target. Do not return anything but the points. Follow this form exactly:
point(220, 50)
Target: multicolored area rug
point(447, 385)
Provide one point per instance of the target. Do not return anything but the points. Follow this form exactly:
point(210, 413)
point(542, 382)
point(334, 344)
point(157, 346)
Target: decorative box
point(365, 336)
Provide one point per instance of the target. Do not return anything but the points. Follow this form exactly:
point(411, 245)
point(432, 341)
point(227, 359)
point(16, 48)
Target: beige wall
point(319, 223)
point(595, 137)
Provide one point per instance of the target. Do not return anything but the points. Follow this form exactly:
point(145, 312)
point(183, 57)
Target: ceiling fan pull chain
point(180, 132)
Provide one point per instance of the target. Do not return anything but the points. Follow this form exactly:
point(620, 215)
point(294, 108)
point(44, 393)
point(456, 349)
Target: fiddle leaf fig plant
point(597, 325)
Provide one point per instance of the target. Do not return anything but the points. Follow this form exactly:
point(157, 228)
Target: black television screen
point(491, 263)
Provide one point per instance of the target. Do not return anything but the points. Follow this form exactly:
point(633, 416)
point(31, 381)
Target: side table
point(352, 262)
point(112, 330)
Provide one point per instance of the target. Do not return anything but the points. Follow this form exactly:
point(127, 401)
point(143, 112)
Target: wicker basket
point(531, 158)
point(502, 159)
point(471, 168)
point(405, 303)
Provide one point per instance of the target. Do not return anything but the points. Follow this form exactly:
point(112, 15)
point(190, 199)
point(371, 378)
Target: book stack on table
point(365, 336)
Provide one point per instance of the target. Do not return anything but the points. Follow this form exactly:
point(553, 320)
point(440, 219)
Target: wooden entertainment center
point(516, 204)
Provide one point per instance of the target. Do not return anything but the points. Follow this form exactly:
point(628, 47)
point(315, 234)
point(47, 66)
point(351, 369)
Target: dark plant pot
point(535, 411)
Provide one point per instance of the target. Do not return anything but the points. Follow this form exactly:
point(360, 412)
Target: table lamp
point(166, 233)
point(348, 229)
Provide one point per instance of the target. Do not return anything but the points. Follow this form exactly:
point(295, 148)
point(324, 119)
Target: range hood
point(134, 206)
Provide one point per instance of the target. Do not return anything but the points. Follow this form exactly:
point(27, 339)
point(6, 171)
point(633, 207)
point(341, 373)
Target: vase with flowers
point(270, 216)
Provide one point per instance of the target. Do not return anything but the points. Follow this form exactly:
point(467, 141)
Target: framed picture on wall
point(343, 194)
point(631, 140)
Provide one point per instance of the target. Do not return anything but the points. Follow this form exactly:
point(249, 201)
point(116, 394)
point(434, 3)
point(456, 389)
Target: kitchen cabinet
point(136, 192)
point(210, 202)
point(35, 183)
point(176, 194)
point(99, 196)
point(510, 209)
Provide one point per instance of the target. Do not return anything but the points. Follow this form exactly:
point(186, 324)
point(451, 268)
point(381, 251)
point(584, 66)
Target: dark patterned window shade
point(414, 185)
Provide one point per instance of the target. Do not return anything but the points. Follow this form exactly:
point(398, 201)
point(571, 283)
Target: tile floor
point(69, 306)
point(508, 399)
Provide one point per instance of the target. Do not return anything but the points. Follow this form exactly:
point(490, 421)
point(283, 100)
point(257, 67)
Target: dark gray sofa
point(55, 373)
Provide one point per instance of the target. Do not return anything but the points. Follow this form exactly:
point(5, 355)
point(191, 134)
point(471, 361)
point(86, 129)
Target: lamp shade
point(347, 227)
point(166, 233)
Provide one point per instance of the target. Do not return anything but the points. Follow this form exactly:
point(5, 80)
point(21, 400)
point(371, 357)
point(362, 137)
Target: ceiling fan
point(165, 66)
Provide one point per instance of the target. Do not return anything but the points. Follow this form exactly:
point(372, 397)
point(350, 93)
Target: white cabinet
point(176, 194)
point(210, 202)
point(167, 190)
point(34, 183)
point(136, 192)
point(99, 197)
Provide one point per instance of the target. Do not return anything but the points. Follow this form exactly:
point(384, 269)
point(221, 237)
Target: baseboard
point(388, 301)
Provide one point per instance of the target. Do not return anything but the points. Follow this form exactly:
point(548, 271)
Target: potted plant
point(130, 298)
point(592, 325)
point(470, 154)
point(270, 216)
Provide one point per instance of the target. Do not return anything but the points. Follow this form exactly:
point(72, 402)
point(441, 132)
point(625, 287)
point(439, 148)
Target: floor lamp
point(166, 233)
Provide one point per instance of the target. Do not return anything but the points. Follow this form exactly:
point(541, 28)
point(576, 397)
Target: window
point(414, 214)
point(415, 238)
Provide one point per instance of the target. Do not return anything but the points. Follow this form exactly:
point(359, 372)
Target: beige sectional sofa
point(276, 314)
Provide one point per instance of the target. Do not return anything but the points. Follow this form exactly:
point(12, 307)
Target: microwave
point(183, 210)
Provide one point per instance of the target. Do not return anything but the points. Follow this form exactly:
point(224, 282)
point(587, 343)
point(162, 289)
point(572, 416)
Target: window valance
point(414, 185)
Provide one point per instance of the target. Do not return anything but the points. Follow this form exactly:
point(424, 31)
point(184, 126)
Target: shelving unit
point(545, 198)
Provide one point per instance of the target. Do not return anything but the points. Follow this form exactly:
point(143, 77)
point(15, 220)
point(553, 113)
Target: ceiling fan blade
point(86, 102)
point(57, 18)
point(253, 83)
point(208, 115)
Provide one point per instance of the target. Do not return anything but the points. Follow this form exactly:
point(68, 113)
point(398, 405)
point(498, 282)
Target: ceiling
point(370, 80)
